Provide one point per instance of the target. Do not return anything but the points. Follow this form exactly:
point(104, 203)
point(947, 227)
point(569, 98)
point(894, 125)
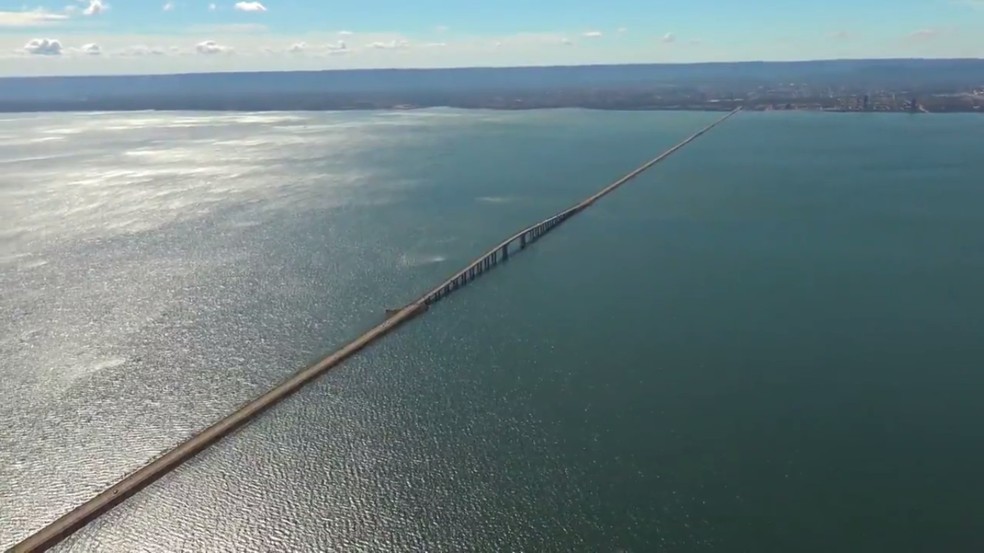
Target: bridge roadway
point(61, 528)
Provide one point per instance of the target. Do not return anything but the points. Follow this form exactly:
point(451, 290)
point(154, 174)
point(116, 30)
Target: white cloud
point(212, 7)
point(95, 7)
point(345, 33)
point(302, 47)
point(91, 49)
point(622, 30)
point(841, 35)
point(592, 34)
point(250, 7)
point(209, 47)
point(566, 41)
point(435, 45)
point(43, 47)
point(924, 34)
point(169, 7)
point(389, 44)
point(442, 28)
point(142, 50)
point(32, 18)
point(668, 38)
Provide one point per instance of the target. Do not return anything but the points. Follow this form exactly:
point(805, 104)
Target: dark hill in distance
point(651, 86)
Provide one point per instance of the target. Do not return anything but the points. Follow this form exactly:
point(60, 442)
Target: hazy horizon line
point(469, 67)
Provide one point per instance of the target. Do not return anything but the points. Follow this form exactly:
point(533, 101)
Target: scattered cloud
point(924, 34)
point(43, 47)
point(840, 35)
point(622, 30)
point(95, 7)
point(442, 28)
point(143, 50)
point(592, 34)
point(302, 47)
point(250, 7)
point(91, 49)
point(435, 44)
point(168, 7)
point(345, 33)
point(30, 18)
point(389, 44)
point(212, 7)
point(209, 47)
point(668, 38)
point(566, 41)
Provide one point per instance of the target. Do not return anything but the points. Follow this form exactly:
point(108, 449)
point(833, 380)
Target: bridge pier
point(505, 252)
point(522, 241)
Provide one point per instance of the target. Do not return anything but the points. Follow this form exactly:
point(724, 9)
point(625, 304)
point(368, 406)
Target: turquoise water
point(770, 342)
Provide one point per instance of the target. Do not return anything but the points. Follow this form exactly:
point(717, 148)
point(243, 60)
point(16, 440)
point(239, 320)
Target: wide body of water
point(773, 341)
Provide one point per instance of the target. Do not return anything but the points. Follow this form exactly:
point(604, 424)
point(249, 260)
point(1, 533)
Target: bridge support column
point(505, 252)
point(522, 241)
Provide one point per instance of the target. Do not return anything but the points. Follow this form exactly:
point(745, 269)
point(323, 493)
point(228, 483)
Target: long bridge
point(66, 525)
point(533, 232)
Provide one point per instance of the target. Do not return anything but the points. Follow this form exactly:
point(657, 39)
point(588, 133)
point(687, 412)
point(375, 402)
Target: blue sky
point(155, 36)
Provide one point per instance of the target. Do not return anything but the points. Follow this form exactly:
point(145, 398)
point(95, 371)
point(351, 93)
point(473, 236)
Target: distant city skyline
point(79, 37)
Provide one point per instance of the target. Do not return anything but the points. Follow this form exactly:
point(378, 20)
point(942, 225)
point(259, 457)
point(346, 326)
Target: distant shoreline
point(837, 85)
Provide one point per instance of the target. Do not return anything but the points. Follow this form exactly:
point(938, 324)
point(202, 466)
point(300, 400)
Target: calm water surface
point(771, 342)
